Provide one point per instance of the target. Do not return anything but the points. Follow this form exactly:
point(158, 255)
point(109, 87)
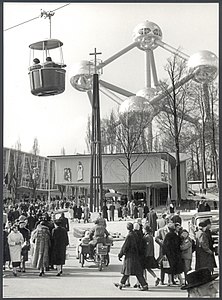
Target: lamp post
point(96, 184)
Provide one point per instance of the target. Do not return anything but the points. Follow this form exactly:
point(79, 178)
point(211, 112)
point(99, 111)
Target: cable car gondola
point(47, 78)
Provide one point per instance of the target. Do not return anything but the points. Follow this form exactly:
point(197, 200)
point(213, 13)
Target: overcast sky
point(60, 121)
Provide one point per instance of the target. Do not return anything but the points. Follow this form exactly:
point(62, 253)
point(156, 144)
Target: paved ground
point(82, 282)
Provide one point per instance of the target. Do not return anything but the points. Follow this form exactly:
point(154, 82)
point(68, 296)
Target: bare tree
point(33, 165)
point(176, 106)
point(15, 170)
point(128, 134)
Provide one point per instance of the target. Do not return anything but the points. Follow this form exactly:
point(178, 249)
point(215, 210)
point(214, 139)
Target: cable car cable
point(34, 18)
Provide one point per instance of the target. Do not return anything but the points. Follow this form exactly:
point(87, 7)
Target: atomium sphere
point(205, 66)
point(82, 78)
point(147, 93)
point(136, 105)
point(146, 34)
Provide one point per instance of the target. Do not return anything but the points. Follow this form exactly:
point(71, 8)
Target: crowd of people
point(176, 252)
point(29, 228)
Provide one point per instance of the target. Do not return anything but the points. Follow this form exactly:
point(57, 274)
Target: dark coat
point(171, 247)
point(64, 223)
point(204, 256)
point(79, 212)
point(104, 212)
point(59, 242)
point(131, 264)
point(31, 222)
point(6, 253)
point(152, 219)
point(25, 249)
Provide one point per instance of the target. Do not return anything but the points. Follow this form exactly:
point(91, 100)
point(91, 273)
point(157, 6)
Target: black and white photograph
point(110, 150)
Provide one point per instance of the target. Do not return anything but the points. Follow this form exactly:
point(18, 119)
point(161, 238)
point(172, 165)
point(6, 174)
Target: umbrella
point(107, 195)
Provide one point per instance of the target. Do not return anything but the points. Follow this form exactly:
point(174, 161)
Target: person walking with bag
point(131, 264)
point(171, 248)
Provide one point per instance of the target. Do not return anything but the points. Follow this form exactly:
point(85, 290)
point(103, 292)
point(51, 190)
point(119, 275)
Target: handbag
point(165, 261)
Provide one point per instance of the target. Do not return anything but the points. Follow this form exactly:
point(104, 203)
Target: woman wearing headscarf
point(41, 240)
point(15, 241)
point(60, 241)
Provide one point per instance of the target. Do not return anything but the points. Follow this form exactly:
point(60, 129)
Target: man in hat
point(201, 283)
point(204, 255)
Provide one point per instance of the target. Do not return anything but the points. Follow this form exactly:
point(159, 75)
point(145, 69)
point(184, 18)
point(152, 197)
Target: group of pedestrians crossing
point(176, 251)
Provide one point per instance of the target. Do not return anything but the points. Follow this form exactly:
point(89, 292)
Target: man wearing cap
point(201, 283)
point(204, 255)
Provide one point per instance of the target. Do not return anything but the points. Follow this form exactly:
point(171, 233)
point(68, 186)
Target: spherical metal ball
point(205, 66)
point(147, 93)
point(136, 105)
point(82, 78)
point(146, 34)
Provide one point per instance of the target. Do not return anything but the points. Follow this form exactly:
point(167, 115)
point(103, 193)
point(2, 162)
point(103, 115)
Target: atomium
point(146, 34)
point(82, 78)
point(204, 65)
point(147, 93)
point(136, 105)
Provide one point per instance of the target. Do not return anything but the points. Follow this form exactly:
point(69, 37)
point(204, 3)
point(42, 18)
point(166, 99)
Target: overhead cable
point(34, 18)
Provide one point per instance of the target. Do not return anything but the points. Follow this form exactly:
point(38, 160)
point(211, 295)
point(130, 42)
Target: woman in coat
point(131, 264)
point(15, 241)
point(171, 248)
point(59, 242)
point(41, 240)
point(204, 255)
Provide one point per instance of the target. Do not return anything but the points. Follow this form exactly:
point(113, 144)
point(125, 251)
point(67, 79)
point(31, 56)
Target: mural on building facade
point(67, 174)
point(79, 171)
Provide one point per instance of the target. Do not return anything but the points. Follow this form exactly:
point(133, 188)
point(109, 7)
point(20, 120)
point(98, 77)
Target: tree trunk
point(129, 191)
point(198, 163)
point(204, 168)
point(192, 164)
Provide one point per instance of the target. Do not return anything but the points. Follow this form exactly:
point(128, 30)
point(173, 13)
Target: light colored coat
point(15, 241)
point(41, 239)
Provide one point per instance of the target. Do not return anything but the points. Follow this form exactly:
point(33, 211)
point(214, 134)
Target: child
point(85, 240)
point(186, 251)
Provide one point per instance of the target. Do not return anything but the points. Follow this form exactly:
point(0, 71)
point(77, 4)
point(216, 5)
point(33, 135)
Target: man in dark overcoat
point(152, 220)
point(64, 221)
point(60, 241)
point(204, 255)
point(131, 264)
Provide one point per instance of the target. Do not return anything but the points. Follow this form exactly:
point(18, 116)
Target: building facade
point(153, 175)
point(24, 171)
